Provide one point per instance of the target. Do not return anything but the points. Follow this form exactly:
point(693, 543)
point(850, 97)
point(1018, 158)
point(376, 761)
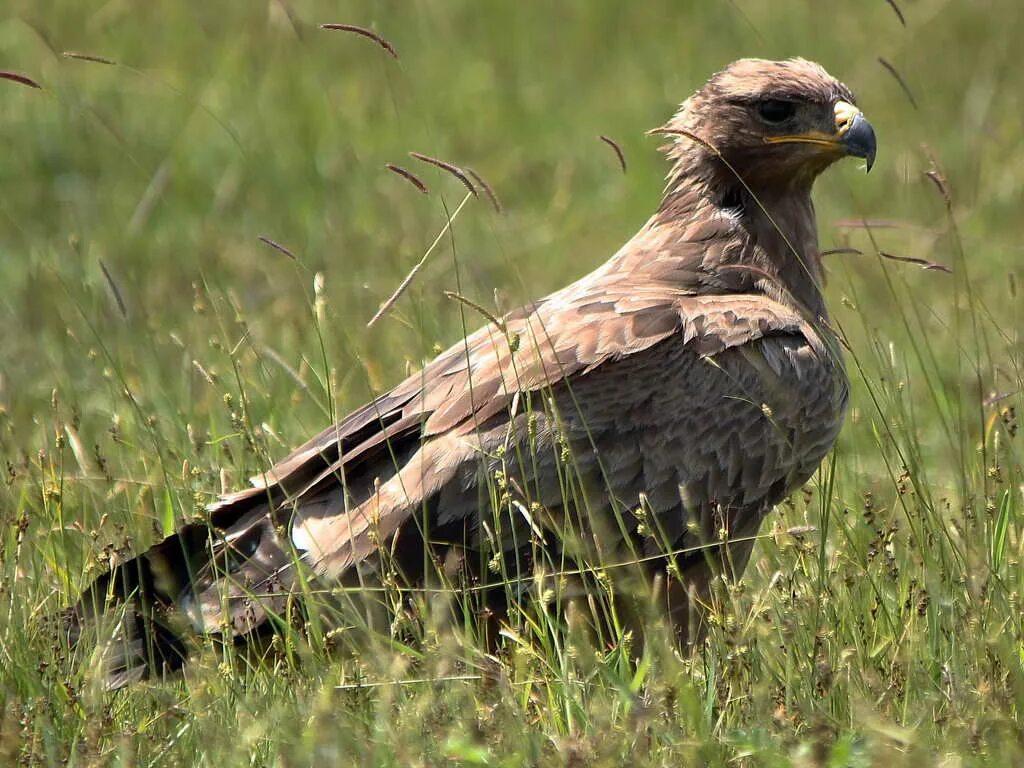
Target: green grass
point(888, 633)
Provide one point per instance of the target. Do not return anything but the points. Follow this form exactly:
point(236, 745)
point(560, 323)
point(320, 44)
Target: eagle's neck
point(732, 237)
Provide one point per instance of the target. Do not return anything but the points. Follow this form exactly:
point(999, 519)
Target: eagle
point(651, 412)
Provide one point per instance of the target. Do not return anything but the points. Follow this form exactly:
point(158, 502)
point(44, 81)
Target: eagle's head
point(772, 123)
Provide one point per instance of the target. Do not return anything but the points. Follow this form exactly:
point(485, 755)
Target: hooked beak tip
point(859, 140)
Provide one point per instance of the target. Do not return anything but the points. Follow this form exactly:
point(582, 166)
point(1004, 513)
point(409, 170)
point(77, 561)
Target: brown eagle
point(653, 410)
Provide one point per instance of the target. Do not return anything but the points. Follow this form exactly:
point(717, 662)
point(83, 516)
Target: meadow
point(154, 351)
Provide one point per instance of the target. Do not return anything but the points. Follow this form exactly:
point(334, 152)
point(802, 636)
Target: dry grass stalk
point(617, 149)
point(453, 169)
point(479, 308)
point(939, 180)
point(923, 263)
point(899, 79)
point(408, 176)
point(367, 33)
point(88, 57)
point(277, 247)
point(397, 294)
point(17, 77)
point(486, 188)
point(896, 9)
point(114, 290)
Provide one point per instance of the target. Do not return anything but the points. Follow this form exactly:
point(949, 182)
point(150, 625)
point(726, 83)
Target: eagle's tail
point(230, 577)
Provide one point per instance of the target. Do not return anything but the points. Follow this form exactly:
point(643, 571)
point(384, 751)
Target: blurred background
point(153, 350)
point(221, 122)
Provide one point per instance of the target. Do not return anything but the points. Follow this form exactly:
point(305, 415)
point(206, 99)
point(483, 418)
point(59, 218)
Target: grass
point(155, 351)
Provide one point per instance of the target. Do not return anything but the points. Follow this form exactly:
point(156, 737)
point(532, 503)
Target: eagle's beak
point(853, 135)
point(855, 132)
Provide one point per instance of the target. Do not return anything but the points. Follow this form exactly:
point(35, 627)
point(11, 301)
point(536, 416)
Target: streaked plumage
point(694, 373)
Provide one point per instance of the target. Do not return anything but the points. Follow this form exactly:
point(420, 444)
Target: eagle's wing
point(472, 386)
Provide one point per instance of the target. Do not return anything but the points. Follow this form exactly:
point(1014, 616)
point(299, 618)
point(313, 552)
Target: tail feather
point(133, 640)
point(146, 612)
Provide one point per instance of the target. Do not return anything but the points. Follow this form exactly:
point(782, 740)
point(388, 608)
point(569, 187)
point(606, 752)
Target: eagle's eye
point(775, 110)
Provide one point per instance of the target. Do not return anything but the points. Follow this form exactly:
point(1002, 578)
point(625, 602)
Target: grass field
point(154, 351)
